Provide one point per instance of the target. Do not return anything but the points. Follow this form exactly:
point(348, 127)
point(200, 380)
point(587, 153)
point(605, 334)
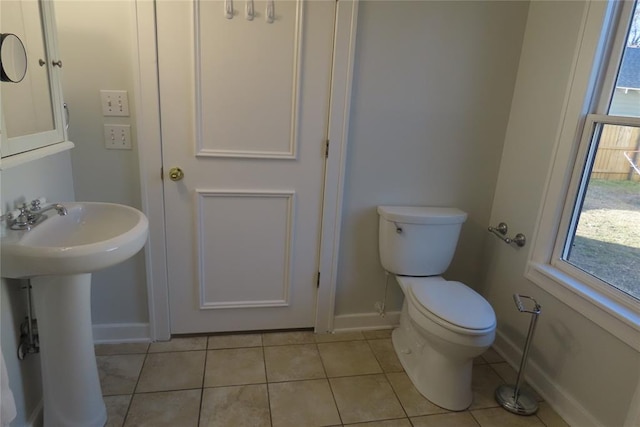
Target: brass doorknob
point(176, 174)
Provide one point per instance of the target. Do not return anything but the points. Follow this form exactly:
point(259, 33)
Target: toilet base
point(443, 380)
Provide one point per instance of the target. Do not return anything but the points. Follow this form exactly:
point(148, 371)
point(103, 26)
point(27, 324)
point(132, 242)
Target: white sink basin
point(92, 236)
point(58, 256)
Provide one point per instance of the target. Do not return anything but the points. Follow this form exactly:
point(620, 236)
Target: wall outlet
point(117, 137)
point(114, 102)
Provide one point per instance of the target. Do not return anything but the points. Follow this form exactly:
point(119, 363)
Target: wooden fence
point(611, 163)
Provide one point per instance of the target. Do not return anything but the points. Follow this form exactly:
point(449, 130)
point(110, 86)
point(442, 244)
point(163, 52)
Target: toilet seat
point(452, 305)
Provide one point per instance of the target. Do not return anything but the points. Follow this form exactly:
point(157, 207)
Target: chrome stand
point(511, 397)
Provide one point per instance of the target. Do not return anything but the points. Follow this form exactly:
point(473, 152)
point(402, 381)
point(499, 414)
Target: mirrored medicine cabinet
point(33, 112)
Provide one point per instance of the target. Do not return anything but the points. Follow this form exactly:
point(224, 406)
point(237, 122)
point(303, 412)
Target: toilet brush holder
point(512, 397)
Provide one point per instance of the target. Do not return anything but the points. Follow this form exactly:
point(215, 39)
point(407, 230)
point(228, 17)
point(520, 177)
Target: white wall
point(433, 84)
point(587, 374)
point(49, 177)
point(96, 41)
point(432, 96)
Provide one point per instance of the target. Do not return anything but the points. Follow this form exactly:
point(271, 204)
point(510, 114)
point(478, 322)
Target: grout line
point(201, 405)
point(133, 392)
point(474, 418)
point(333, 395)
point(204, 373)
point(393, 390)
point(266, 384)
point(376, 357)
point(335, 402)
point(540, 419)
point(168, 391)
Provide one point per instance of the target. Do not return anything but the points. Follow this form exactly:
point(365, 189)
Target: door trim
point(344, 47)
point(150, 161)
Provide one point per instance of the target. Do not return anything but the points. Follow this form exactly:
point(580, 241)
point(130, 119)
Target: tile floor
point(288, 379)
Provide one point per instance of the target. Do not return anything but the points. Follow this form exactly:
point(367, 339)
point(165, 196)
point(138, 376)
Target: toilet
point(444, 324)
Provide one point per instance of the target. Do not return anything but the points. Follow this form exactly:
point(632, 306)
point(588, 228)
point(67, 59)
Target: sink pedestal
point(70, 380)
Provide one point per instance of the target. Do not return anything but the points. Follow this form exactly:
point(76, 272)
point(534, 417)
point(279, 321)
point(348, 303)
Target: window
point(585, 249)
point(600, 235)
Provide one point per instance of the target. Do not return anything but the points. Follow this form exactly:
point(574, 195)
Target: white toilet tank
point(418, 240)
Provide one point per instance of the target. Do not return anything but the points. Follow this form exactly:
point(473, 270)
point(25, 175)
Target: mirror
point(33, 115)
point(27, 106)
point(13, 59)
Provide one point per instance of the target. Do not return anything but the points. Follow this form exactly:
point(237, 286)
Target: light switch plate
point(117, 137)
point(114, 102)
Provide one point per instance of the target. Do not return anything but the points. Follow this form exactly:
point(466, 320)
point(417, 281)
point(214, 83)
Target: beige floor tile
point(386, 355)
point(124, 348)
point(239, 406)
point(172, 371)
point(302, 403)
point(288, 338)
point(484, 384)
point(340, 336)
point(412, 401)
point(377, 334)
point(510, 376)
point(117, 407)
point(479, 361)
point(234, 341)
point(179, 344)
point(365, 398)
point(498, 417)
point(403, 422)
point(348, 358)
point(119, 373)
point(550, 417)
point(492, 356)
point(452, 419)
point(506, 372)
point(293, 362)
point(234, 367)
point(169, 408)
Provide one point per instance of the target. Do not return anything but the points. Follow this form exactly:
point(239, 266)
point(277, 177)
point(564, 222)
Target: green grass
point(607, 242)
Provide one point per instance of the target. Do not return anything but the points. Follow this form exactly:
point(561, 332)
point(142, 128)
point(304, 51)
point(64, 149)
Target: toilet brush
point(511, 397)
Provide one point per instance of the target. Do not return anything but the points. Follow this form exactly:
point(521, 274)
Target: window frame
point(594, 73)
point(577, 187)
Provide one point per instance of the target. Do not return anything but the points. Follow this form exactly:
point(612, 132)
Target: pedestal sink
point(58, 256)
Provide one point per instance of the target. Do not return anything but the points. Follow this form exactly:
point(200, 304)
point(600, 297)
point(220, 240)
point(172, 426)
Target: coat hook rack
point(228, 9)
point(501, 232)
point(270, 14)
point(249, 10)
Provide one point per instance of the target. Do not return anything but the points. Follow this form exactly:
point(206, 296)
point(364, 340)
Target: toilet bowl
point(443, 327)
point(444, 324)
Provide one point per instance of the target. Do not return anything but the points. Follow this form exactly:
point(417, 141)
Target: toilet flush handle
point(399, 229)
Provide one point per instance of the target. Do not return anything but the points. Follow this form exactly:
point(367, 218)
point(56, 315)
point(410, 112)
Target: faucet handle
point(36, 204)
point(11, 215)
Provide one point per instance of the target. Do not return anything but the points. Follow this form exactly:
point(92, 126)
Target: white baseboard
point(120, 333)
point(365, 321)
point(36, 419)
point(557, 397)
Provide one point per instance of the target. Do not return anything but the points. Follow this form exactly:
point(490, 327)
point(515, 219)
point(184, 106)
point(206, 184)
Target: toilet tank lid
point(422, 214)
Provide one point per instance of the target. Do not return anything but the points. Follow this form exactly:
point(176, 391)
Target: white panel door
point(244, 107)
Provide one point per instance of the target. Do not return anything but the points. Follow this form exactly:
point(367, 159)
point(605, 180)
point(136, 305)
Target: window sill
point(610, 315)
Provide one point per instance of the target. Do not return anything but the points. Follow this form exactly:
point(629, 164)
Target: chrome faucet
point(35, 207)
point(25, 217)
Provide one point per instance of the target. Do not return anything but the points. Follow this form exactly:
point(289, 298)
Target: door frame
point(149, 139)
